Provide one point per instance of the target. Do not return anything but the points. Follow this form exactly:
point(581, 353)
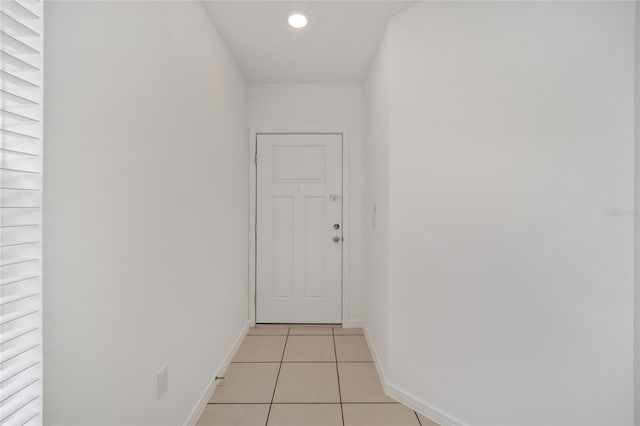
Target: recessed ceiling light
point(297, 20)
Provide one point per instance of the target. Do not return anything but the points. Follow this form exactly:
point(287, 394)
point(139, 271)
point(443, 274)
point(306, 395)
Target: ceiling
point(337, 46)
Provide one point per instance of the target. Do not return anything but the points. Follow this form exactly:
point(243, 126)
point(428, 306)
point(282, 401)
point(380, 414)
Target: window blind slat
point(11, 44)
point(23, 11)
point(15, 387)
point(14, 280)
point(17, 135)
point(19, 412)
point(9, 116)
point(9, 78)
point(15, 26)
point(12, 335)
point(7, 169)
point(16, 370)
point(16, 298)
point(9, 98)
point(12, 353)
point(9, 60)
point(6, 319)
point(21, 153)
point(2, 245)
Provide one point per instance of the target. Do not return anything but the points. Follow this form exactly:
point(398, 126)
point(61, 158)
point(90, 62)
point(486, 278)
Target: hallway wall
point(145, 236)
point(510, 158)
point(322, 107)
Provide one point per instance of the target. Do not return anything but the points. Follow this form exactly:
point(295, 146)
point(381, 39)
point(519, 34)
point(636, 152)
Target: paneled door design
point(299, 228)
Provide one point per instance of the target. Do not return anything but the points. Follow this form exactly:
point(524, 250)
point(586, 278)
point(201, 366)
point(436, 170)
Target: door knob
point(336, 239)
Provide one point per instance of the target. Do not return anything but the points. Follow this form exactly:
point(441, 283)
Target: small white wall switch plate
point(163, 381)
point(374, 217)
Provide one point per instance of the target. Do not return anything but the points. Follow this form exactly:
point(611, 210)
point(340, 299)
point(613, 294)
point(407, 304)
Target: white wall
point(510, 292)
point(145, 209)
point(324, 107)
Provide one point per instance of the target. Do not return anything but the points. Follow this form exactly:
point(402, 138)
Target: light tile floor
point(304, 376)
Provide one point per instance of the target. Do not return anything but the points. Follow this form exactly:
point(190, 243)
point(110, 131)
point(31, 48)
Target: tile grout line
point(302, 362)
point(416, 413)
point(335, 353)
point(284, 348)
point(305, 403)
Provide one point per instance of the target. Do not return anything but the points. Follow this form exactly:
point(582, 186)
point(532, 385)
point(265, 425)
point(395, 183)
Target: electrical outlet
point(163, 381)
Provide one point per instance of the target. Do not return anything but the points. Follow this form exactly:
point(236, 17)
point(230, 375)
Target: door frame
point(346, 243)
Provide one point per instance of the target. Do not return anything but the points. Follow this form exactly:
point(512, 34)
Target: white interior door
point(299, 229)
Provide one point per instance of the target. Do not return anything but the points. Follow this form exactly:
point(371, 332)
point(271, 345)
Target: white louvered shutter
point(20, 212)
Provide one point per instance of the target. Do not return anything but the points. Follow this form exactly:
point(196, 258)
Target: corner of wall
point(407, 398)
point(198, 409)
point(637, 216)
point(214, 28)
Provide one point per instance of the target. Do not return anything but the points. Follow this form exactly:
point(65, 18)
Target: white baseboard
point(439, 416)
point(427, 410)
point(376, 359)
point(353, 324)
point(211, 386)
